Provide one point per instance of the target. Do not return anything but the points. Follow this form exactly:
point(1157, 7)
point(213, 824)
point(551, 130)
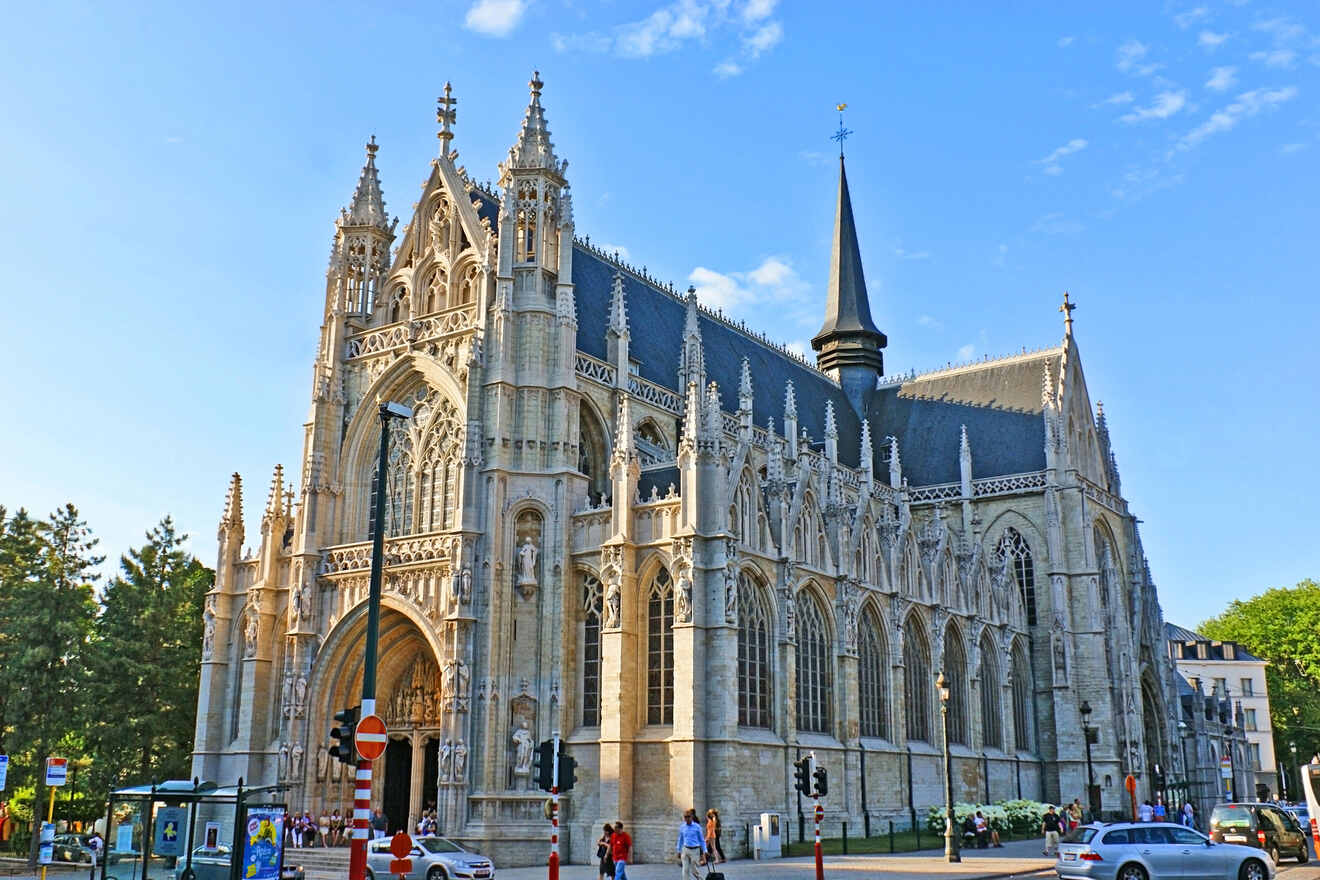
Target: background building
point(1226, 672)
point(621, 515)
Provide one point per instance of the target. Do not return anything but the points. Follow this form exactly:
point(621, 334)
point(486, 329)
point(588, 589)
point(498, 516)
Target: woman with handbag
point(603, 854)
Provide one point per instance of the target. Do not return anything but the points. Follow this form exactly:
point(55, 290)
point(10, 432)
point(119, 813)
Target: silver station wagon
point(433, 858)
point(1153, 851)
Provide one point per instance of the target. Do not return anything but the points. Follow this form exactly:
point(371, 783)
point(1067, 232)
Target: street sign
point(1226, 767)
point(4, 770)
point(400, 845)
point(401, 867)
point(57, 771)
point(171, 825)
point(370, 738)
point(1130, 783)
point(820, 813)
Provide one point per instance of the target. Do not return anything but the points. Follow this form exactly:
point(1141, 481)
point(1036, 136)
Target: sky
point(174, 171)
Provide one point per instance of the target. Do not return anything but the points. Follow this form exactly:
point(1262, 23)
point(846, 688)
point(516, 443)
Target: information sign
point(124, 838)
point(4, 770)
point(46, 849)
point(171, 829)
point(263, 843)
point(57, 771)
point(1226, 767)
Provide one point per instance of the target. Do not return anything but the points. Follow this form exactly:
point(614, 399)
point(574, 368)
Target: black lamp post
point(951, 841)
point(1295, 789)
point(1089, 732)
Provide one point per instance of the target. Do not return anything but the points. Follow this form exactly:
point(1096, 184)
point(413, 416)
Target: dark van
point(1262, 826)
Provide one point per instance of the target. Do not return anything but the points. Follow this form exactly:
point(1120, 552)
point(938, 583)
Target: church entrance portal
point(398, 783)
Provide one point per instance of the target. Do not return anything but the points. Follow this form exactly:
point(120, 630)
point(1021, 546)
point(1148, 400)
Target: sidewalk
point(1020, 858)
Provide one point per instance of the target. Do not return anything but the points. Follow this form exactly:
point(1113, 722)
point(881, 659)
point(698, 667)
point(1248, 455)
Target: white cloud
point(1211, 40)
point(726, 69)
point(1289, 149)
point(773, 281)
point(1278, 58)
point(495, 18)
point(799, 347)
point(1055, 223)
point(815, 158)
point(928, 321)
point(764, 38)
point(1247, 105)
point(1131, 59)
point(911, 255)
point(1065, 42)
point(1186, 19)
point(1165, 105)
point(1283, 30)
point(755, 10)
point(1051, 162)
point(618, 250)
point(1114, 100)
point(965, 352)
point(1221, 79)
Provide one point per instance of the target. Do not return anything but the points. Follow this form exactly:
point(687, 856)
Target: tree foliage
point(1281, 626)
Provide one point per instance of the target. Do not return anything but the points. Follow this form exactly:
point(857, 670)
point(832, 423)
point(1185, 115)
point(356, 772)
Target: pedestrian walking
point(378, 824)
point(1189, 815)
point(620, 851)
point(1159, 810)
point(603, 853)
point(1050, 826)
point(1146, 812)
point(715, 851)
point(1075, 813)
point(691, 846)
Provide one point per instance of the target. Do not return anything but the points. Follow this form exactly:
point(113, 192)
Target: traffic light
point(543, 765)
point(802, 773)
point(567, 768)
point(345, 726)
point(822, 782)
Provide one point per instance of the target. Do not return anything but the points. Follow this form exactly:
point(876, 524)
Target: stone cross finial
point(446, 115)
point(1067, 309)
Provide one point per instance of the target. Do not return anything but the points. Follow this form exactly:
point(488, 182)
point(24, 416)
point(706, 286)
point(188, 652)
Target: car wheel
point(1253, 869)
point(1303, 854)
point(436, 873)
point(371, 875)
point(1132, 871)
point(1274, 854)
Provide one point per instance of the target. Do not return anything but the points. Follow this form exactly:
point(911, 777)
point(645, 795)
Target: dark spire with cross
point(1067, 309)
point(446, 115)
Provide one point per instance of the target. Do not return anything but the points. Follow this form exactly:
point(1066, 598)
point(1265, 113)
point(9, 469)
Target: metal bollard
point(866, 819)
point(845, 838)
point(891, 836)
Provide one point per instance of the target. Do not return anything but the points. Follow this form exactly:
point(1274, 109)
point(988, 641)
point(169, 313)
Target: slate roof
point(998, 401)
point(1182, 635)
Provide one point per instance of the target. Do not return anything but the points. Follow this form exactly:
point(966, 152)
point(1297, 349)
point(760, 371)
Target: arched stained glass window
point(813, 666)
point(754, 632)
point(992, 723)
point(1013, 546)
point(1021, 699)
point(917, 682)
point(955, 674)
point(660, 650)
point(592, 609)
point(873, 676)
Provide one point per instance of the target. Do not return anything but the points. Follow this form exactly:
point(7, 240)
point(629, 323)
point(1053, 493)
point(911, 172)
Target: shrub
point(1017, 816)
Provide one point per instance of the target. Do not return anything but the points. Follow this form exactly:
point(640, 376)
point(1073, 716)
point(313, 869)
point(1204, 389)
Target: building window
point(1250, 718)
point(1015, 548)
point(1221, 686)
point(955, 673)
point(813, 667)
point(1248, 688)
point(660, 650)
point(873, 676)
point(592, 609)
point(992, 720)
point(1254, 752)
point(1021, 699)
point(400, 485)
point(917, 681)
point(753, 654)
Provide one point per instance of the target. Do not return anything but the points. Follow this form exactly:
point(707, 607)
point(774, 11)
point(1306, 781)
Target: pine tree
point(145, 662)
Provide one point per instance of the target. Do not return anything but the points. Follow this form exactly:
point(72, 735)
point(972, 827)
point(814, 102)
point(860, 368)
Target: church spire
point(848, 344)
point(533, 148)
point(368, 205)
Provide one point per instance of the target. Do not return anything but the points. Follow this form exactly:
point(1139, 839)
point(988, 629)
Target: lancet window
point(592, 610)
point(660, 650)
point(421, 484)
point(1021, 699)
point(992, 724)
point(753, 654)
point(813, 666)
point(1104, 557)
point(1016, 549)
point(917, 682)
point(873, 676)
point(955, 674)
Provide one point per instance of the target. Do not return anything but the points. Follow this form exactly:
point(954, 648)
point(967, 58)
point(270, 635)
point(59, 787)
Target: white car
point(1153, 851)
point(433, 858)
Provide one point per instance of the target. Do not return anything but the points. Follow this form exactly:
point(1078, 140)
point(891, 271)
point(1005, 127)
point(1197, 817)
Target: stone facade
point(622, 516)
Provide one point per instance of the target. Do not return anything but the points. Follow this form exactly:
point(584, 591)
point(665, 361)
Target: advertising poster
point(263, 843)
point(46, 850)
point(4, 771)
point(212, 838)
point(171, 826)
point(124, 838)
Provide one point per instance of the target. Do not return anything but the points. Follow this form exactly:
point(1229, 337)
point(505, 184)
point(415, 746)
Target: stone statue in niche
point(322, 761)
point(683, 600)
point(522, 753)
point(287, 699)
point(446, 754)
point(461, 691)
point(527, 554)
point(296, 761)
point(208, 634)
point(299, 695)
point(613, 601)
point(284, 761)
point(465, 591)
point(251, 628)
point(453, 595)
point(460, 761)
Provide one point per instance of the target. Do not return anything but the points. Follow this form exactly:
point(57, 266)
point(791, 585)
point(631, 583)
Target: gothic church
point(618, 514)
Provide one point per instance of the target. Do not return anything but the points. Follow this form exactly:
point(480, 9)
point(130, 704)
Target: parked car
point(71, 848)
point(1152, 851)
point(433, 858)
point(1299, 813)
point(1263, 826)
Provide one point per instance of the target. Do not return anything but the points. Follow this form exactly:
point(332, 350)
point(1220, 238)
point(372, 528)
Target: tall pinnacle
point(533, 148)
point(368, 206)
point(848, 344)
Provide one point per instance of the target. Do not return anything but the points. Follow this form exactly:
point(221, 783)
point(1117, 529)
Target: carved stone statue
point(527, 554)
point(299, 695)
point(461, 690)
point(208, 634)
point(683, 600)
point(613, 602)
point(251, 628)
point(522, 751)
point(790, 616)
point(286, 700)
point(284, 761)
point(322, 760)
point(460, 761)
point(446, 753)
point(453, 592)
point(296, 761)
point(465, 592)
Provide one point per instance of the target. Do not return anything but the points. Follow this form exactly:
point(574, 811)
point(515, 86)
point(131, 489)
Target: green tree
point(46, 614)
point(1281, 627)
point(145, 662)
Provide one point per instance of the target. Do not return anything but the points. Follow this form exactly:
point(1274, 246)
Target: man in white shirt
point(1146, 812)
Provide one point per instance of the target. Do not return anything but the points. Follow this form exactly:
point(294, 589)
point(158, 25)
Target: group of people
point(976, 829)
point(698, 844)
point(324, 830)
point(614, 849)
point(1156, 812)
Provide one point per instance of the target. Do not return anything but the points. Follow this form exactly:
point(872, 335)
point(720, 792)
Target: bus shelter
point(194, 830)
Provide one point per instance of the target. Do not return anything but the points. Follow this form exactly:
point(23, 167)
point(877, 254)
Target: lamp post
point(1294, 790)
point(357, 865)
point(951, 842)
point(1089, 733)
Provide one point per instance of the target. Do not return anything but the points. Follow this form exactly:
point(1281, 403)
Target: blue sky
point(174, 171)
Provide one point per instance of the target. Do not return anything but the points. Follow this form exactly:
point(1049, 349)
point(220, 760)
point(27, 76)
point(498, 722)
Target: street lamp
point(951, 841)
point(1294, 791)
point(1089, 732)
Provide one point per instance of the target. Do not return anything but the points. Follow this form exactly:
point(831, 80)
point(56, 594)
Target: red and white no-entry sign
point(370, 737)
